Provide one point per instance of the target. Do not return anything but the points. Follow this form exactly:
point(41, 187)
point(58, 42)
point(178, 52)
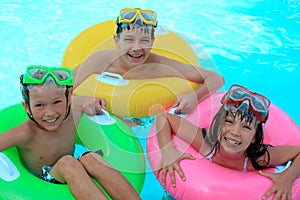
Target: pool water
point(253, 43)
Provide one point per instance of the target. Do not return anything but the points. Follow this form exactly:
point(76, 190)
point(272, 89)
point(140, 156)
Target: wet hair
point(25, 88)
point(254, 151)
point(146, 28)
point(49, 81)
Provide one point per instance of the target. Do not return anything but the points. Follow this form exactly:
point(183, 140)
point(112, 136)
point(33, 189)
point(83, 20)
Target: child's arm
point(14, 137)
point(167, 124)
point(283, 182)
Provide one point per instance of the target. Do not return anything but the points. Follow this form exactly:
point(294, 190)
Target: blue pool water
point(255, 43)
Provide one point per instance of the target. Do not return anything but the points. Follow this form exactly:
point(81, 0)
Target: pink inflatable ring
point(207, 180)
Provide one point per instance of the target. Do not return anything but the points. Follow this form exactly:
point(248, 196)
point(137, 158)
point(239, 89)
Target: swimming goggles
point(128, 15)
point(37, 75)
point(237, 95)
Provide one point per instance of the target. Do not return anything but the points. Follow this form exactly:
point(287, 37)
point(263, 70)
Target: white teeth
point(50, 120)
point(135, 56)
point(232, 142)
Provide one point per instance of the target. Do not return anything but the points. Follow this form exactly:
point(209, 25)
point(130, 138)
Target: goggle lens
point(150, 17)
point(127, 15)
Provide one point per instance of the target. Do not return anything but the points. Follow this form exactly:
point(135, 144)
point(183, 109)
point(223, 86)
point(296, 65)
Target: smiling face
point(134, 44)
point(48, 106)
point(237, 134)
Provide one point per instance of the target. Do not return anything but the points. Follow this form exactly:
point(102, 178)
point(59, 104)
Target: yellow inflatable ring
point(130, 97)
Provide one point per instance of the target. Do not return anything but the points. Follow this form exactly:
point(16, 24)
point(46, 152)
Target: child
point(133, 59)
point(234, 140)
point(46, 141)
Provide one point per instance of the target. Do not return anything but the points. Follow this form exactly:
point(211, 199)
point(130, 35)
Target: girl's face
point(48, 106)
point(134, 45)
point(237, 134)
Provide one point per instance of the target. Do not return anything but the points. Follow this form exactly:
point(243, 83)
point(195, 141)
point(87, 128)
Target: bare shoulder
point(17, 136)
point(27, 129)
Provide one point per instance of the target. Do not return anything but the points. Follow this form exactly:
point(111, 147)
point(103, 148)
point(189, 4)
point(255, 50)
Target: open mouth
point(135, 56)
point(234, 142)
point(51, 120)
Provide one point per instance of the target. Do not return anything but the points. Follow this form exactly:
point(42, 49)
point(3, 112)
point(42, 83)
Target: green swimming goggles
point(36, 74)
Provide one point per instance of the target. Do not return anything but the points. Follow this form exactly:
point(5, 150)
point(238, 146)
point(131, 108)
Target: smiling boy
point(133, 59)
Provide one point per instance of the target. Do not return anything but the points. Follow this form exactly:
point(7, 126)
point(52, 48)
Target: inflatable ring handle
point(112, 79)
point(103, 119)
point(8, 170)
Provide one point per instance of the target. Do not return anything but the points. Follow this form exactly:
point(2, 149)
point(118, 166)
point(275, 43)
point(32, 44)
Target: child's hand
point(92, 106)
point(186, 103)
point(282, 187)
point(170, 163)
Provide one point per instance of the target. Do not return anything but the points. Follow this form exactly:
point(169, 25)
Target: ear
point(116, 39)
point(70, 92)
point(26, 107)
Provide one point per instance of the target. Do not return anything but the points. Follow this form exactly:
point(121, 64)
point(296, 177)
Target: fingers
point(93, 106)
point(266, 174)
point(172, 176)
point(178, 110)
point(268, 193)
point(99, 106)
point(171, 170)
point(168, 170)
point(189, 156)
point(281, 190)
point(163, 176)
point(183, 108)
point(181, 174)
point(176, 103)
point(102, 103)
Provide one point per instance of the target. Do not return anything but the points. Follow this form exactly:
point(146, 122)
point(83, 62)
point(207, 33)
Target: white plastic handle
point(112, 79)
point(8, 170)
point(102, 119)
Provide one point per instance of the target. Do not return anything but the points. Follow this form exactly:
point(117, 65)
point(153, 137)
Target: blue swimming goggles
point(239, 95)
point(129, 15)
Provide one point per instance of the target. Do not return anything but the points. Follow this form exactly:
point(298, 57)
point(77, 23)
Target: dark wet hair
point(254, 151)
point(144, 27)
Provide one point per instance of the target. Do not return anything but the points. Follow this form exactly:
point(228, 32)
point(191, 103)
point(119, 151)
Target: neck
point(232, 161)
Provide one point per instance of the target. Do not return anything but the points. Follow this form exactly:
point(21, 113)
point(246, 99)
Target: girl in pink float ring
point(234, 140)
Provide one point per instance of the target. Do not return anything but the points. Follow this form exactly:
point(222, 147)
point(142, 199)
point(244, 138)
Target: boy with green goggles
point(50, 134)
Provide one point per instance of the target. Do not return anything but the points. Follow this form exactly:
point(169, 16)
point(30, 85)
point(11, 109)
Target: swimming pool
point(254, 43)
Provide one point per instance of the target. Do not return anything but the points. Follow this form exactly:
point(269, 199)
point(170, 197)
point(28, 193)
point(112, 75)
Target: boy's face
point(134, 45)
point(48, 106)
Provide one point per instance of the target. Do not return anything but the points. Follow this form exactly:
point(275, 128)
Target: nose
point(49, 111)
point(235, 129)
point(136, 45)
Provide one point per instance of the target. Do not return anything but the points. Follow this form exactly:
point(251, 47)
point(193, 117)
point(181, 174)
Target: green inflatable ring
point(119, 145)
